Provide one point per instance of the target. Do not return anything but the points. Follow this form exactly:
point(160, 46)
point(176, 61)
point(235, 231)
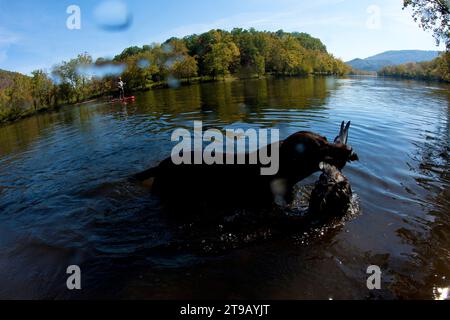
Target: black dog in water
point(196, 187)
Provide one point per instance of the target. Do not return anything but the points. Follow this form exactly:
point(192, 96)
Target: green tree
point(221, 58)
point(128, 52)
point(309, 42)
point(20, 98)
point(442, 70)
point(437, 69)
point(260, 65)
point(185, 68)
point(42, 89)
point(140, 70)
point(214, 54)
point(4, 104)
point(76, 84)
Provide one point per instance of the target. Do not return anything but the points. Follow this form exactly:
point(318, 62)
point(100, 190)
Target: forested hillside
point(437, 69)
point(214, 55)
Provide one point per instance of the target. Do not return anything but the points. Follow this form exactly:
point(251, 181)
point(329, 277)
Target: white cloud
point(7, 38)
point(288, 21)
point(3, 55)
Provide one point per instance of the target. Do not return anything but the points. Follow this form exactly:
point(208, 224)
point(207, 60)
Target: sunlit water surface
point(66, 197)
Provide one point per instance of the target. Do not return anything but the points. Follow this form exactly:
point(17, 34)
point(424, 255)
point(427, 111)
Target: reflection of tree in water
point(217, 103)
point(238, 101)
point(21, 134)
point(248, 101)
point(429, 263)
point(170, 102)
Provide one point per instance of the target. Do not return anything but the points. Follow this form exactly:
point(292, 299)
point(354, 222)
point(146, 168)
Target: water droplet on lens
point(167, 48)
point(56, 78)
point(113, 15)
point(173, 82)
point(101, 71)
point(169, 63)
point(143, 63)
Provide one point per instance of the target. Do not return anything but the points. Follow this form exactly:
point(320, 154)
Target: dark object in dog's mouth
point(353, 157)
point(332, 193)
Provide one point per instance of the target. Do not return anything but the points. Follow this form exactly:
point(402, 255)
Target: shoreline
point(200, 80)
point(153, 86)
point(156, 85)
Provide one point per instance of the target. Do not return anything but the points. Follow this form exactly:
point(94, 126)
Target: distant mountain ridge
point(392, 58)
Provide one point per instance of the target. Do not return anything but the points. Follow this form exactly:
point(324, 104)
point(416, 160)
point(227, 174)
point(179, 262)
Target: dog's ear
point(345, 133)
point(340, 136)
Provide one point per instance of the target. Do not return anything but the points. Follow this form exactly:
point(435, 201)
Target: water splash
point(441, 294)
point(113, 15)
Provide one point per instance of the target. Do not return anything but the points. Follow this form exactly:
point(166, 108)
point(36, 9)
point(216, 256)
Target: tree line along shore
point(435, 70)
point(211, 56)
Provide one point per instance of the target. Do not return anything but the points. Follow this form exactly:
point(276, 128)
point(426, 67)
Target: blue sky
point(33, 34)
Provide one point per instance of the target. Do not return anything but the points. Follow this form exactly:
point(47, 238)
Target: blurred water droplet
point(171, 61)
point(167, 48)
point(101, 71)
point(173, 82)
point(56, 78)
point(113, 15)
point(143, 63)
point(243, 108)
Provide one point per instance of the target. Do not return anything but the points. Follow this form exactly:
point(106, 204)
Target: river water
point(66, 197)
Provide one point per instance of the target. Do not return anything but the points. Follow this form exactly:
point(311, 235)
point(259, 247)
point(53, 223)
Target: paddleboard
point(126, 99)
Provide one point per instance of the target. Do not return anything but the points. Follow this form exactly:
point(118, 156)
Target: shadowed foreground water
point(66, 197)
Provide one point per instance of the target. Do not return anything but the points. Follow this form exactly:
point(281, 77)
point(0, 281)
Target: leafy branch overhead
point(432, 15)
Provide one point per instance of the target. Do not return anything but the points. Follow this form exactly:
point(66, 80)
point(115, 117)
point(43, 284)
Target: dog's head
point(303, 151)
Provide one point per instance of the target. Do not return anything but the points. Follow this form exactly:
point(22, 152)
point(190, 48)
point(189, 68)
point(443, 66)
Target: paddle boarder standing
point(121, 87)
